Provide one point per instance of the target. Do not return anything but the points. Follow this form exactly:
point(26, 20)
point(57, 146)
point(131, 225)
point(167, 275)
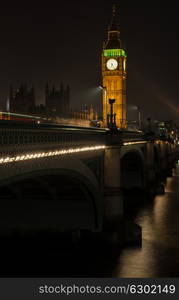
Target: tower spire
point(114, 9)
point(113, 41)
point(114, 26)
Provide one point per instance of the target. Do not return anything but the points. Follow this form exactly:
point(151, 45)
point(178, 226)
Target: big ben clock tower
point(114, 76)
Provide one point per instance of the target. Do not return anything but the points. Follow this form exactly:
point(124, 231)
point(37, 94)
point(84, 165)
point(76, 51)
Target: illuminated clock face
point(112, 64)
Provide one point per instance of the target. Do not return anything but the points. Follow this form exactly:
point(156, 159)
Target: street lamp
point(139, 116)
point(103, 88)
point(136, 107)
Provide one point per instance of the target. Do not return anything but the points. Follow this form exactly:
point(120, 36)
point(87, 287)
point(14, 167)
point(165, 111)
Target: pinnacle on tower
point(47, 89)
point(113, 41)
point(114, 9)
point(114, 26)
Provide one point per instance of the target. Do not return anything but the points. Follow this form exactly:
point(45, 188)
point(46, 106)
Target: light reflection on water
point(159, 254)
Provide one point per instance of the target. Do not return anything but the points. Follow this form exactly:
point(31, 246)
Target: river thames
point(159, 254)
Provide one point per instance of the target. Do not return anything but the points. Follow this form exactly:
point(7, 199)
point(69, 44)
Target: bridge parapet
point(18, 139)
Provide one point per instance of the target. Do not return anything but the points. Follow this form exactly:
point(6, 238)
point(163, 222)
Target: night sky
point(62, 41)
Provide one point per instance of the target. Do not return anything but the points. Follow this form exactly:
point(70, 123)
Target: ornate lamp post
point(111, 118)
point(139, 116)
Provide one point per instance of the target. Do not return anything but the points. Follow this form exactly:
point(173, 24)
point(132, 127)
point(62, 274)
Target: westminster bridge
point(71, 178)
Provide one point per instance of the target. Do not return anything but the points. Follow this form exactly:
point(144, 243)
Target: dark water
point(158, 255)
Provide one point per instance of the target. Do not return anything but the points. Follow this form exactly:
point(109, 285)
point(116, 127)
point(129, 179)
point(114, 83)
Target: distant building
point(57, 101)
point(21, 100)
point(86, 113)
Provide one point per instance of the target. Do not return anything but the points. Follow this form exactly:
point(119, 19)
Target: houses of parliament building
point(57, 101)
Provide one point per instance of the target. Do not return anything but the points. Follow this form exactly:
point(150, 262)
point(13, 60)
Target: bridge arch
point(132, 170)
point(61, 193)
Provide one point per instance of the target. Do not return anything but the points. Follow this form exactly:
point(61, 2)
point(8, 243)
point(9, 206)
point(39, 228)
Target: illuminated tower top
point(114, 74)
point(113, 46)
point(113, 41)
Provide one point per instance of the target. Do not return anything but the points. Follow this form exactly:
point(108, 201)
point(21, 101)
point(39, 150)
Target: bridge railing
point(18, 138)
point(22, 138)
